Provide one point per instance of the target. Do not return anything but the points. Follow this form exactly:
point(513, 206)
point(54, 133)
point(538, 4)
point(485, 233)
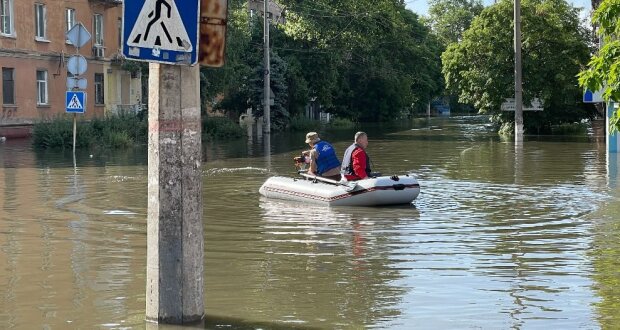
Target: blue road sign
point(76, 101)
point(163, 31)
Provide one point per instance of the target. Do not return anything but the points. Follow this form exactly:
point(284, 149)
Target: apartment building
point(33, 59)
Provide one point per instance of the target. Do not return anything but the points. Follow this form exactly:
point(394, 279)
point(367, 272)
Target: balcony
point(108, 3)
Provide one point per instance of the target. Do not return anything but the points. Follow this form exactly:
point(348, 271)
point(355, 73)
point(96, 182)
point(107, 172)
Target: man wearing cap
point(323, 159)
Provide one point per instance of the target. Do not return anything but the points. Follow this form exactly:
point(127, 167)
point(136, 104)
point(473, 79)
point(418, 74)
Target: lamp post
point(518, 78)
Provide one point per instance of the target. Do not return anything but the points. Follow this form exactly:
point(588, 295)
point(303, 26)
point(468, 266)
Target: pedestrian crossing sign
point(163, 31)
point(76, 101)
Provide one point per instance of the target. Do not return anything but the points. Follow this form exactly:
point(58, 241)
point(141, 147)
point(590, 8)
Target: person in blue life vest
point(323, 159)
point(355, 162)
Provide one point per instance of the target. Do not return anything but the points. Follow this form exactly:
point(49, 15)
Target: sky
point(421, 6)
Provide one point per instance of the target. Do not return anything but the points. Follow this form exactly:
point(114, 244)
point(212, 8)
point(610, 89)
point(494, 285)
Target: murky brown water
point(499, 238)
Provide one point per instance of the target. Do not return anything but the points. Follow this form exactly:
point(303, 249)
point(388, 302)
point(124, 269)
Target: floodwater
point(499, 238)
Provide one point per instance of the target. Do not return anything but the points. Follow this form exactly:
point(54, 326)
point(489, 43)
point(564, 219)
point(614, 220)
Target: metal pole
point(518, 79)
point(74, 132)
point(267, 108)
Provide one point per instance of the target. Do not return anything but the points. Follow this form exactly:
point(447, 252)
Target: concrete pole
point(267, 97)
point(518, 80)
point(175, 242)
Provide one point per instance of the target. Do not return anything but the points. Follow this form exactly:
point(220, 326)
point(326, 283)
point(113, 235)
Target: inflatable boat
point(383, 190)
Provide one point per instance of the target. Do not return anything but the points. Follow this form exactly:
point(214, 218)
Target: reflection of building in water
point(61, 255)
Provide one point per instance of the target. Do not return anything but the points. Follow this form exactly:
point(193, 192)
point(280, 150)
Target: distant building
point(276, 12)
point(34, 53)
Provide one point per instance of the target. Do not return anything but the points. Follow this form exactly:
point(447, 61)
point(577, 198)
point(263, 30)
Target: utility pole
point(266, 99)
point(518, 78)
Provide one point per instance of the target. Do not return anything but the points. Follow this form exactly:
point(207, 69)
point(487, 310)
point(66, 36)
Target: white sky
point(421, 6)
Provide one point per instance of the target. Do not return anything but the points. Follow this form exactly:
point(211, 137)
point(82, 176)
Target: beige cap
point(312, 137)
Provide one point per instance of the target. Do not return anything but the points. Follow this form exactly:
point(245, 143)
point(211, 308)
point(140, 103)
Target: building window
point(8, 86)
point(99, 88)
point(98, 28)
point(69, 20)
point(42, 95)
point(6, 17)
point(39, 21)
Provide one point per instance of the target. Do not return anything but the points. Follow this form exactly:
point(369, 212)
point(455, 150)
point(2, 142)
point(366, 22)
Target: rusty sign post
point(213, 19)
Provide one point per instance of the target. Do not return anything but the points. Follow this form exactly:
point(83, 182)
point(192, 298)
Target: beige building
point(33, 59)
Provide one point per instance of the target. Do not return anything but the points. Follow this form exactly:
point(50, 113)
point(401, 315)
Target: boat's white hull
point(383, 190)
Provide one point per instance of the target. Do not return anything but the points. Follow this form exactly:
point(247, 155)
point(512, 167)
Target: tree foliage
point(480, 69)
point(604, 67)
point(450, 18)
point(360, 59)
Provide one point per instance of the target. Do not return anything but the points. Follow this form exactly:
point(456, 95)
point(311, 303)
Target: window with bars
point(8, 86)
point(42, 95)
point(40, 21)
point(98, 28)
point(99, 97)
point(69, 20)
point(6, 17)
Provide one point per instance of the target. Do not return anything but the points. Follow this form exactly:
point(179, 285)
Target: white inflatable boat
point(383, 190)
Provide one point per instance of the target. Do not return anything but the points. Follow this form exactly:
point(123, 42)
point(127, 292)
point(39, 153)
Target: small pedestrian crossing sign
point(76, 101)
point(164, 31)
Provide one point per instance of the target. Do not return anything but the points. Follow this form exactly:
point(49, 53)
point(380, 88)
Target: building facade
point(34, 52)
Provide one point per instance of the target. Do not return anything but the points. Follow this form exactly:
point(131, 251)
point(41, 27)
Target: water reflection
point(498, 238)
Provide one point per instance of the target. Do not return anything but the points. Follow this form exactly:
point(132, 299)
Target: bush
point(301, 123)
point(115, 131)
point(341, 123)
point(570, 129)
point(220, 128)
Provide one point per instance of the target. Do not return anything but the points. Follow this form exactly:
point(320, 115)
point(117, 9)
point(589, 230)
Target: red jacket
point(358, 158)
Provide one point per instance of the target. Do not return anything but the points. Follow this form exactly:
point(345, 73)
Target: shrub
point(220, 127)
point(301, 123)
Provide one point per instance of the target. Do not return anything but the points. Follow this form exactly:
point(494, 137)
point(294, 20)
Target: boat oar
point(349, 184)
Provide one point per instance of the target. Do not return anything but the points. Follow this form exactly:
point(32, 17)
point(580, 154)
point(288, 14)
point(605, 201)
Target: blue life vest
point(326, 159)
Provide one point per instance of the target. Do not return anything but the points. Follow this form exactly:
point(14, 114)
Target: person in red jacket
point(355, 162)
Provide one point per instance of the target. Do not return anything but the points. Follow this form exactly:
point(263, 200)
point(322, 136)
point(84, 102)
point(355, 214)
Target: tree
point(450, 18)
point(480, 69)
point(604, 67)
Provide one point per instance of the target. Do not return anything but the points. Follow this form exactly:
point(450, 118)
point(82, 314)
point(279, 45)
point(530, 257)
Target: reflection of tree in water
point(605, 255)
point(335, 264)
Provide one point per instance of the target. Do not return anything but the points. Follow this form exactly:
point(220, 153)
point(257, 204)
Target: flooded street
point(500, 237)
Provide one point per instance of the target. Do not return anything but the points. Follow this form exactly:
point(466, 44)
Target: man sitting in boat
point(355, 162)
point(323, 159)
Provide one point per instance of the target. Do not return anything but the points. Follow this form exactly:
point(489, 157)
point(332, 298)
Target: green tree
point(604, 67)
point(480, 69)
point(450, 18)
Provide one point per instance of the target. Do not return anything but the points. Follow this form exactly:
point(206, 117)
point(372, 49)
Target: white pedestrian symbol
point(75, 103)
point(160, 26)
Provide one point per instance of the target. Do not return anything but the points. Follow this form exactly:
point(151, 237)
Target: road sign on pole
point(75, 101)
point(78, 35)
point(163, 31)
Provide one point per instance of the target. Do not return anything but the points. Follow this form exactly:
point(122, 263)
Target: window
point(69, 19)
point(6, 17)
point(99, 88)
point(98, 28)
point(42, 96)
point(8, 86)
point(39, 21)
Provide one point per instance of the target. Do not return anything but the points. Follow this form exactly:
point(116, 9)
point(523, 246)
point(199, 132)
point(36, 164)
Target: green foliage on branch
point(359, 59)
point(604, 67)
point(450, 18)
point(480, 69)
